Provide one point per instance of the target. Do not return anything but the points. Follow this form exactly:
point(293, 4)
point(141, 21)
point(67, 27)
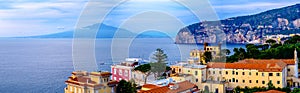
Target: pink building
point(124, 69)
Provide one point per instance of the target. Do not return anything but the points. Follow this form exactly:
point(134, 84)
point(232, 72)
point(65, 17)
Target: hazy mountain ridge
point(244, 29)
point(104, 31)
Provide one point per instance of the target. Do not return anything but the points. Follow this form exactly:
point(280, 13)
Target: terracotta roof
point(260, 65)
point(271, 91)
point(287, 61)
point(82, 78)
point(150, 86)
point(183, 86)
point(100, 73)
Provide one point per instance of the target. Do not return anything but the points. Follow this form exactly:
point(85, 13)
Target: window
point(277, 74)
point(179, 70)
point(115, 71)
point(233, 79)
point(126, 73)
point(209, 72)
point(270, 74)
point(220, 72)
point(232, 72)
point(196, 73)
point(289, 69)
point(278, 82)
point(262, 74)
point(226, 72)
point(250, 81)
point(243, 73)
point(243, 81)
point(256, 81)
point(189, 71)
point(115, 78)
point(263, 82)
point(120, 72)
point(196, 80)
point(237, 73)
point(237, 80)
point(214, 72)
point(229, 80)
point(250, 73)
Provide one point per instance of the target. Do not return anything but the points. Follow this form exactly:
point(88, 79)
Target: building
point(196, 74)
point(123, 71)
point(197, 55)
point(94, 82)
point(271, 91)
point(139, 78)
point(220, 77)
point(180, 87)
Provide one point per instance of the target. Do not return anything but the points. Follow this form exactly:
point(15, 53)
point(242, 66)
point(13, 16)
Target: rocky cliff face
point(296, 23)
point(243, 29)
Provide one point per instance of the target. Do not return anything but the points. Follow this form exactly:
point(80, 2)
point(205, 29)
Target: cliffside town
point(244, 29)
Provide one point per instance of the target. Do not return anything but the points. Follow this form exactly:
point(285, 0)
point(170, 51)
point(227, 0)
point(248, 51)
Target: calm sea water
point(42, 65)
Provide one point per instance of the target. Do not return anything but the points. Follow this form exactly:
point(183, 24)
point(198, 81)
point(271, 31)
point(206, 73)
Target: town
point(197, 75)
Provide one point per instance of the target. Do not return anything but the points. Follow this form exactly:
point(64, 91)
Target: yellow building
point(248, 74)
point(94, 82)
point(197, 56)
point(220, 76)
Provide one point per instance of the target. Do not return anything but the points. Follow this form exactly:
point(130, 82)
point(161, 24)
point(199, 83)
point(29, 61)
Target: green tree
point(226, 51)
point(270, 86)
point(126, 87)
point(271, 41)
point(296, 90)
point(207, 56)
point(159, 56)
point(159, 66)
point(295, 39)
point(145, 69)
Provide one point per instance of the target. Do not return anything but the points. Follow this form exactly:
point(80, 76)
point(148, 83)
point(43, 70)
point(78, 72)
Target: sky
point(38, 17)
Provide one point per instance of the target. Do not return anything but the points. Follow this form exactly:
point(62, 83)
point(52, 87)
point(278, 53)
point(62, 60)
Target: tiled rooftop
point(263, 65)
point(182, 86)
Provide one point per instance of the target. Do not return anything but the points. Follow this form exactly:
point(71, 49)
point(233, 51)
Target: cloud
point(33, 17)
point(24, 18)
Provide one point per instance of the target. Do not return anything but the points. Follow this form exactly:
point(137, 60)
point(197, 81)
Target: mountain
point(152, 34)
point(105, 31)
point(244, 29)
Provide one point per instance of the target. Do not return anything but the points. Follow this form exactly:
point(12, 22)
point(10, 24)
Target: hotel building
point(220, 77)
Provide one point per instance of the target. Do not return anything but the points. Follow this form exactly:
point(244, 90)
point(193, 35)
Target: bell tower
point(296, 64)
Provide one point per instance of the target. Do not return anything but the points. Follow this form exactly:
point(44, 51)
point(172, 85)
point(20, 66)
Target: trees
point(160, 56)
point(296, 90)
point(126, 87)
point(226, 51)
point(159, 66)
point(295, 39)
point(271, 41)
point(145, 69)
point(270, 86)
point(207, 56)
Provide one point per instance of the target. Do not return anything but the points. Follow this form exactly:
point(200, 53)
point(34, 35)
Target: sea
point(40, 65)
